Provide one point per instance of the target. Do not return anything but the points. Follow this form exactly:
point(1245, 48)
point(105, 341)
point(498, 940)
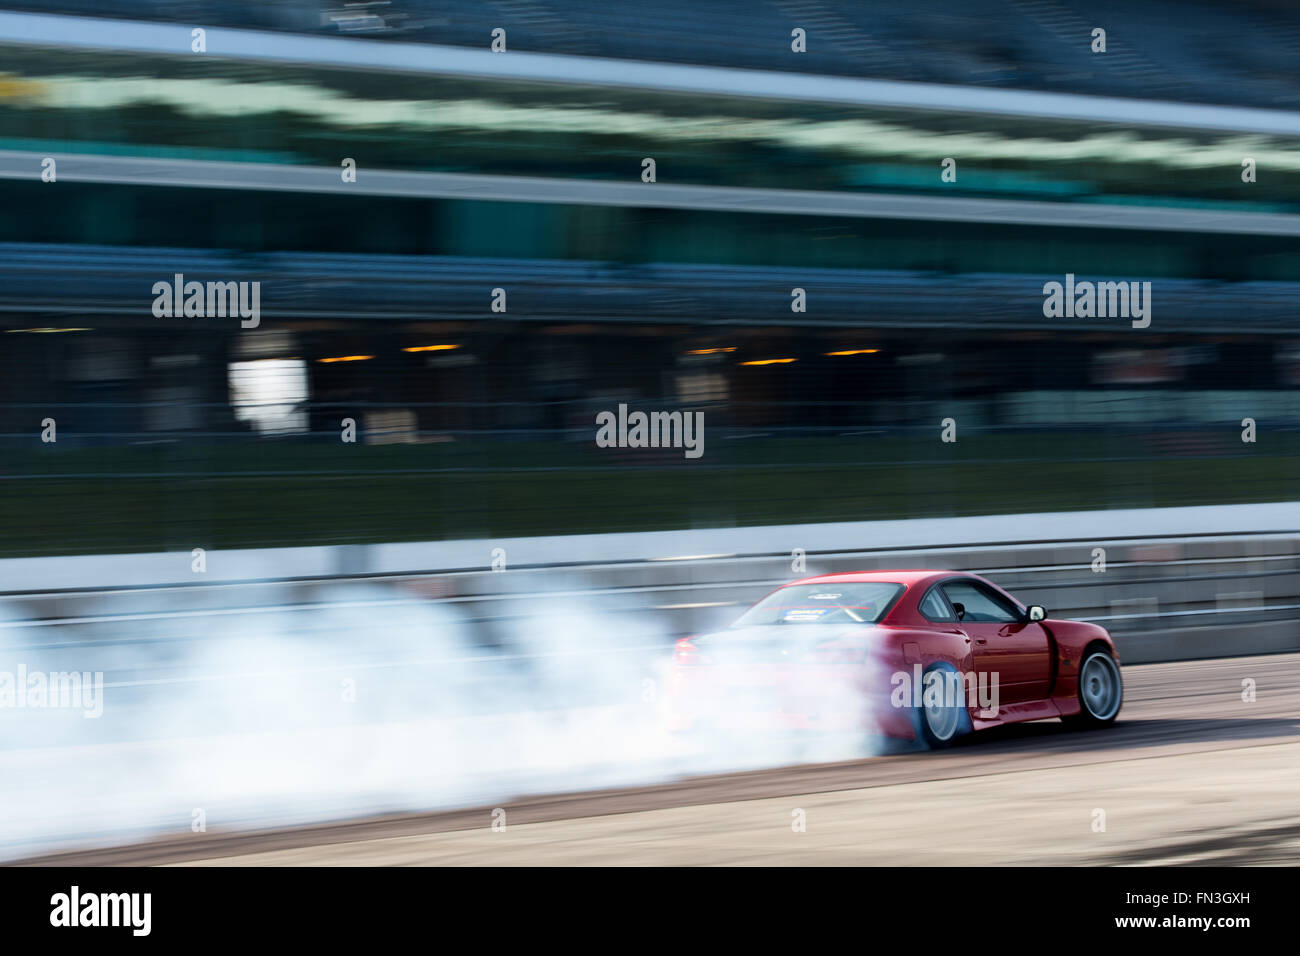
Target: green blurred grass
point(283, 494)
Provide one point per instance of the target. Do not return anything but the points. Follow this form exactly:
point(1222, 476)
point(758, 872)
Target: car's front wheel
point(1101, 690)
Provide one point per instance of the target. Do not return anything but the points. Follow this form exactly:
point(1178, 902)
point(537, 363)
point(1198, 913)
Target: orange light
point(854, 352)
point(781, 361)
point(431, 348)
point(709, 351)
point(346, 358)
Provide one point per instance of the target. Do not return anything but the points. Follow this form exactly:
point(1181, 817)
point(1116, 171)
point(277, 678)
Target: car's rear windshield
point(859, 602)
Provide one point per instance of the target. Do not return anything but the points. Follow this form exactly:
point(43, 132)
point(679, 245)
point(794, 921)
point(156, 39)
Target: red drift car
point(907, 654)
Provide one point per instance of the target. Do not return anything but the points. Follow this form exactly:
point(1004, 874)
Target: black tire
point(1101, 690)
point(940, 726)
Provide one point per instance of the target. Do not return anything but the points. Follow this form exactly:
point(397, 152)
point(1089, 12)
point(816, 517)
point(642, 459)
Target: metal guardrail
point(1163, 598)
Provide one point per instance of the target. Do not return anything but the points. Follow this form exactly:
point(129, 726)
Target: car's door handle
point(980, 640)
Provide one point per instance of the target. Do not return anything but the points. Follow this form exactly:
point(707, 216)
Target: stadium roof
point(1243, 53)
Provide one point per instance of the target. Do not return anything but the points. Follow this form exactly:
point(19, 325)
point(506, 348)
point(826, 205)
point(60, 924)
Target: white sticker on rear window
point(797, 614)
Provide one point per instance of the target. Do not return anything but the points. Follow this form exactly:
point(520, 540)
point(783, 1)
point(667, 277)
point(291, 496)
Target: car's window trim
point(936, 587)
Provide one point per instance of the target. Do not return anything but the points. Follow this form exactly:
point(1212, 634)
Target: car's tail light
point(684, 652)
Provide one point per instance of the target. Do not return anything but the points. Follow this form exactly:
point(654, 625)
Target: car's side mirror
point(1037, 612)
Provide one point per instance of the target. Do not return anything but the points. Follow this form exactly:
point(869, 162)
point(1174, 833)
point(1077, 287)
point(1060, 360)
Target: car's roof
point(907, 576)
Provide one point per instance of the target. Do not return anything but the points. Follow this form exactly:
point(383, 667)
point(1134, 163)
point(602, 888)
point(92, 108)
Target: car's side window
point(934, 608)
point(981, 604)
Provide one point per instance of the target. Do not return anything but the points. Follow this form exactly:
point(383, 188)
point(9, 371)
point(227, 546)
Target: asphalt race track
point(1191, 774)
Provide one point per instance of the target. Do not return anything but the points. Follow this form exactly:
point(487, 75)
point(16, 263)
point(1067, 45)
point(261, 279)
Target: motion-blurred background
point(522, 171)
point(390, 668)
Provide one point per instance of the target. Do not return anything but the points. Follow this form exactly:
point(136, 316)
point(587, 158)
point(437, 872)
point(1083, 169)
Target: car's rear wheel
point(1101, 690)
point(943, 720)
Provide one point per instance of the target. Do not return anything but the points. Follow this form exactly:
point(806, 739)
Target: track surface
point(1191, 773)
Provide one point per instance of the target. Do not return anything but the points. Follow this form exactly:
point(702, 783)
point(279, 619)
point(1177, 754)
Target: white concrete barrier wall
point(76, 572)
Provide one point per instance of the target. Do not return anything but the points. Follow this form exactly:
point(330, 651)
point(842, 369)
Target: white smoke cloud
point(352, 701)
